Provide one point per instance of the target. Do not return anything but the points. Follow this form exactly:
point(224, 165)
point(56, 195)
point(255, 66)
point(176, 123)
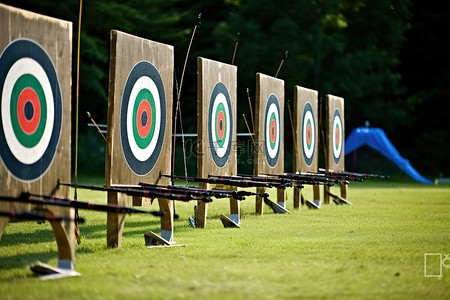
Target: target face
point(308, 134)
point(272, 130)
point(220, 124)
point(31, 110)
point(337, 135)
point(143, 118)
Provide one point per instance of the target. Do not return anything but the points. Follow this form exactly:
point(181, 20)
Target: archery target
point(272, 130)
point(308, 134)
point(143, 118)
point(220, 124)
point(337, 133)
point(31, 110)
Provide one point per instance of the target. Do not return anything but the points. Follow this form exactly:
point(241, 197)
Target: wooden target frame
point(269, 132)
point(35, 82)
point(139, 124)
point(216, 127)
point(306, 133)
point(335, 140)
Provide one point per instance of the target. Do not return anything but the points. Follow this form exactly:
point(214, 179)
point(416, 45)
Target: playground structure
point(377, 139)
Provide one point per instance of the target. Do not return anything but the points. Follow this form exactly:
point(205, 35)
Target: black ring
point(308, 107)
point(18, 49)
point(272, 161)
point(143, 68)
point(219, 88)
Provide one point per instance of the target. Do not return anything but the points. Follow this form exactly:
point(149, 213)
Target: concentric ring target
point(143, 118)
point(272, 130)
point(308, 134)
point(220, 124)
point(31, 110)
point(337, 133)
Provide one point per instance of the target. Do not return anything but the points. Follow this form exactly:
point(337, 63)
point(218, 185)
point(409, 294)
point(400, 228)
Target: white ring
point(337, 122)
point(309, 153)
point(143, 82)
point(21, 67)
point(220, 151)
point(272, 109)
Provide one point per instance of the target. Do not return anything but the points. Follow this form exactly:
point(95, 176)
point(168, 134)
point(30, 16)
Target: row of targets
point(35, 139)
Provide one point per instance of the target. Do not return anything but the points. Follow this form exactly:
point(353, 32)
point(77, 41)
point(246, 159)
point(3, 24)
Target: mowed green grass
point(371, 250)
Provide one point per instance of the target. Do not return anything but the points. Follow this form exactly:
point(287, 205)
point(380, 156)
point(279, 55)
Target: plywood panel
point(216, 126)
point(269, 131)
point(305, 119)
point(269, 125)
point(306, 133)
point(335, 133)
point(35, 90)
point(139, 123)
point(137, 149)
point(216, 118)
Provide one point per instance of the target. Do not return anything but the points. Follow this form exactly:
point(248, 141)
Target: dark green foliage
point(387, 59)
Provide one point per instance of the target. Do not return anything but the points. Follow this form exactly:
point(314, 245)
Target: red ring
point(220, 118)
point(28, 94)
point(273, 131)
point(308, 134)
point(337, 141)
point(144, 106)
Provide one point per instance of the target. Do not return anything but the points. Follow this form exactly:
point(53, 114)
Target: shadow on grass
point(39, 236)
point(25, 260)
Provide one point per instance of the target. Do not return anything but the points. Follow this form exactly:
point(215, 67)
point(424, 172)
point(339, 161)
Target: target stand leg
point(281, 198)
point(200, 216)
point(115, 221)
point(344, 190)
point(152, 240)
point(3, 222)
point(234, 220)
point(316, 195)
point(326, 195)
point(201, 210)
point(66, 251)
point(297, 196)
point(260, 201)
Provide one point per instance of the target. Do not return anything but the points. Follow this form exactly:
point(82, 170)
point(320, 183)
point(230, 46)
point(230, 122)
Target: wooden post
point(139, 122)
point(297, 197)
point(202, 209)
point(259, 201)
point(36, 54)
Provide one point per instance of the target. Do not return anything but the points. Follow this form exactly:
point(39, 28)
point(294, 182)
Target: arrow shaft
point(137, 192)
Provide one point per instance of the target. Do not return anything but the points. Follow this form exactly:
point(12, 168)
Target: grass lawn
point(371, 250)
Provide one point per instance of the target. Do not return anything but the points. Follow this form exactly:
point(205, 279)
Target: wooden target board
point(35, 126)
point(139, 110)
point(335, 134)
point(269, 130)
point(306, 133)
point(216, 118)
point(139, 119)
point(306, 130)
point(216, 125)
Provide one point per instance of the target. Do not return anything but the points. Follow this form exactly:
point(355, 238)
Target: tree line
point(386, 58)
